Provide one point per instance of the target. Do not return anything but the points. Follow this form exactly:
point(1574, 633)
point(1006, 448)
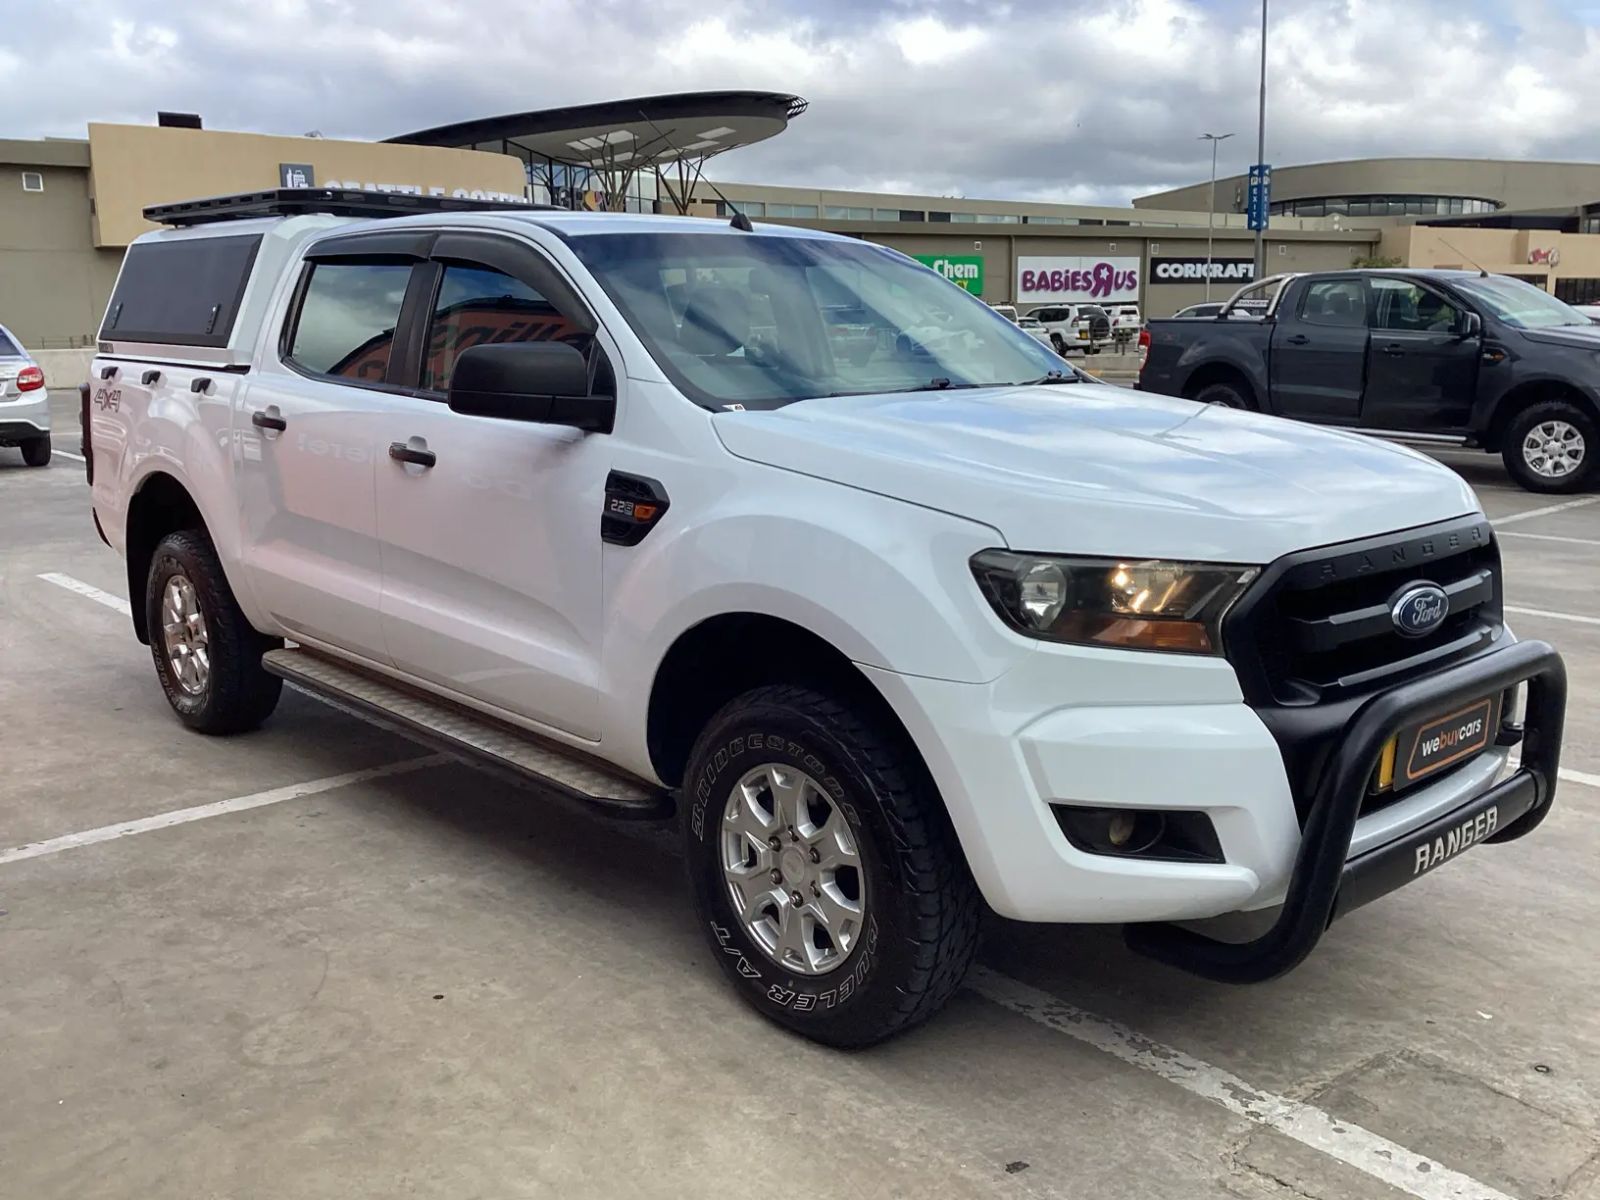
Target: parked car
point(24, 402)
point(1592, 311)
point(1035, 329)
point(1207, 308)
point(899, 640)
point(1458, 357)
point(1008, 311)
point(1125, 322)
point(1074, 327)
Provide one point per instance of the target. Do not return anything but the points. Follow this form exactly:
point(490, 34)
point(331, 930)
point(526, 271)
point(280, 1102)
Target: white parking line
point(1553, 537)
point(1553, 616)
point(1339, 1139)
point(182, 816)
point(67, 454)
point(87, 589)
point(1545, 511)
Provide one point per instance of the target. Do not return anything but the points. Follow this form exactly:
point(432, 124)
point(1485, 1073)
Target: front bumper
point(1004, 752)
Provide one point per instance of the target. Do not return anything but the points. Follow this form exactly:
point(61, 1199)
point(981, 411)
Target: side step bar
point(482, 741)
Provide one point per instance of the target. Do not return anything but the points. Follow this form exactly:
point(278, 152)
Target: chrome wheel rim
point(184, 636)
point(1553, 449)
point(793, 869)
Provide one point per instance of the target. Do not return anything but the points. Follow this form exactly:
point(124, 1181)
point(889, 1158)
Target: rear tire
point(36, 451)
point(1226, 394)
point(811, 773)
point(207, 655)
point(1552, 447)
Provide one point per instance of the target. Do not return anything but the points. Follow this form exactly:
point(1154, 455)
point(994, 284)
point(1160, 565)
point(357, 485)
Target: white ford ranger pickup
point(590, 500)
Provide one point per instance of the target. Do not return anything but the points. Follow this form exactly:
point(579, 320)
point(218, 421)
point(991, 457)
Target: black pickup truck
point(1458, 357)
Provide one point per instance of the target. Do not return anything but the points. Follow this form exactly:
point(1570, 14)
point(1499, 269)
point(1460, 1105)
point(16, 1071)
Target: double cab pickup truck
point(595, 501)
point(1448, 357)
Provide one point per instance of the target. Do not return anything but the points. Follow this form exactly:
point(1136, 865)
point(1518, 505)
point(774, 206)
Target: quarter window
point(1334, 302)
point(345, 327)
point(478, 305)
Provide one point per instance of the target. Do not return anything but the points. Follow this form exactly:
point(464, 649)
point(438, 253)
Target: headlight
point(1148, 605)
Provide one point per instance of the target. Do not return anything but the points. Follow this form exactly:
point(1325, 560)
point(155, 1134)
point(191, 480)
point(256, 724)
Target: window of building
point(791, 210)
point(961, 218)
point(33, 181)
point(180, 293)
point(913, 214)
point(938, 216)
point(1005, 219)
point(1334, 302)
point(477, 305)
point(345, 324)
point(886, 214)
point(752, 208)
point(1591, 224)
point(1578, 291)
point(840, 212)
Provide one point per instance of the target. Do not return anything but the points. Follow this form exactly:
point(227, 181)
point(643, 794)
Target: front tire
point(1552, 447)
point(823, 868)
point(207, 655)
point(1226, 394)
point(36, 451)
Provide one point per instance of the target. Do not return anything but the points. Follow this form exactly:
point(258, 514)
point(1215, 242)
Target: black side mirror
point(1470, 325)
point(543, 382)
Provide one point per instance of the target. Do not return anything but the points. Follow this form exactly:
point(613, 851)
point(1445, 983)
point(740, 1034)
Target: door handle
point(268, 420)
point(1394, 350)
point(1298, 339)
point(401, 452)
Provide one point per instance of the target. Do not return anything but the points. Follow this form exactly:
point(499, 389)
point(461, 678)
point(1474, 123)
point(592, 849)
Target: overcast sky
point(1078, 100)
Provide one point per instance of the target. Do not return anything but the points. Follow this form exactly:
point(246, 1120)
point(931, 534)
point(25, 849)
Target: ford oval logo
point(1420, 610)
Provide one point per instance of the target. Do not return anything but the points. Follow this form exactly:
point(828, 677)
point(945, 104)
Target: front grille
point(1317, 627)
point(1312, 639)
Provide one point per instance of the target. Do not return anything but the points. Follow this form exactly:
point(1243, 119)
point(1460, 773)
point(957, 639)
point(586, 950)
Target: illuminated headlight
point(1135, 605)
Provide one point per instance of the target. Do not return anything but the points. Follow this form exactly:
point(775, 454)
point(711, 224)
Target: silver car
point(24, 402)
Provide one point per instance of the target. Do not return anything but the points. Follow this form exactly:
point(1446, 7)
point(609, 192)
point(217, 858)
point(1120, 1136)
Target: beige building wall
point(132, 166)
point(53, 282)
point(1521, 252)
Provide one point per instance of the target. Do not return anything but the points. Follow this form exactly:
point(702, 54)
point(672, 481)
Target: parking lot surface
point(318, 961)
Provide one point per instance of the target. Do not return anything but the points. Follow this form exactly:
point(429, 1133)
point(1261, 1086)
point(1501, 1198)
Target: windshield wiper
point(1053, 377)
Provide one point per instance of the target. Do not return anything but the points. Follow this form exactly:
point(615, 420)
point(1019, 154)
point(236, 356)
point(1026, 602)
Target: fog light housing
point(1153, 834)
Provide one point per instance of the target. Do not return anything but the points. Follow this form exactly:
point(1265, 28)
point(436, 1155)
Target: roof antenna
point(739, 221)
point(1482, 274)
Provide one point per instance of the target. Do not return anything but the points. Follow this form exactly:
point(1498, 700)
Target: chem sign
point(963, 270)
point(1260, 195)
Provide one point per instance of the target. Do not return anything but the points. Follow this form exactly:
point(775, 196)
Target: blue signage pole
point(1259, 196)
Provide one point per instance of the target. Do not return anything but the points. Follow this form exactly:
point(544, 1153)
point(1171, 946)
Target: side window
point(1401, 304)
point(1334, 302)
point(348, 311)
point(478, 305)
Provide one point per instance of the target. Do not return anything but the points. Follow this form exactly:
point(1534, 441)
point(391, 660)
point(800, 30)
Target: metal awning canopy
point(636, 134)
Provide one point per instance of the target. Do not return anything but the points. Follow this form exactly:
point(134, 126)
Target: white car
point(1592, 311)
point(24, 402)
point(1125, 321)
point(1035, 329)
point(1074, 328)
point(901, 640)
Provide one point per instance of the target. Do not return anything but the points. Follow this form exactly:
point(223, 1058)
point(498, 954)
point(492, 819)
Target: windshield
point(1520, 304)
point(763, 321)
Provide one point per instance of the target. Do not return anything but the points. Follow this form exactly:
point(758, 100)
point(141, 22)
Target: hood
point(1091, 469)
point(1583, 337)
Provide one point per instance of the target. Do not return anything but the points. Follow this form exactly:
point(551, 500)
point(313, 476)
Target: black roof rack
point(336, 202)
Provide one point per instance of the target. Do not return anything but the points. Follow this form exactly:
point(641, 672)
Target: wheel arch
point(160, 505)
point(1209, 373)
point(725, 655)
point(1533, 391)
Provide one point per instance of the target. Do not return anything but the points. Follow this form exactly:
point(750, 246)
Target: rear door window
point(345, 323)
point(181, 292)
point(8, 348)
point(1335, 302)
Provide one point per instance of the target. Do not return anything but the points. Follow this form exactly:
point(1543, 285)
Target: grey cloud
point(1090, 100)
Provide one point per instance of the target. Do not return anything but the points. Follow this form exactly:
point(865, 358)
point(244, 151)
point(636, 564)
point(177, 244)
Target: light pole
point(1261, 146)
point(1211, 209)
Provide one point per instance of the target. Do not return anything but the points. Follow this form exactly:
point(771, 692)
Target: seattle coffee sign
point(1041, 280)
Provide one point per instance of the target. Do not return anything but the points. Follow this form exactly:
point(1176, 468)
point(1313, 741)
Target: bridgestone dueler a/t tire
point(239, 694)
point(923, 907)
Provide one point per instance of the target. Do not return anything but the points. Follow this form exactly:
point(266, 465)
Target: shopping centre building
point(69, 207)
